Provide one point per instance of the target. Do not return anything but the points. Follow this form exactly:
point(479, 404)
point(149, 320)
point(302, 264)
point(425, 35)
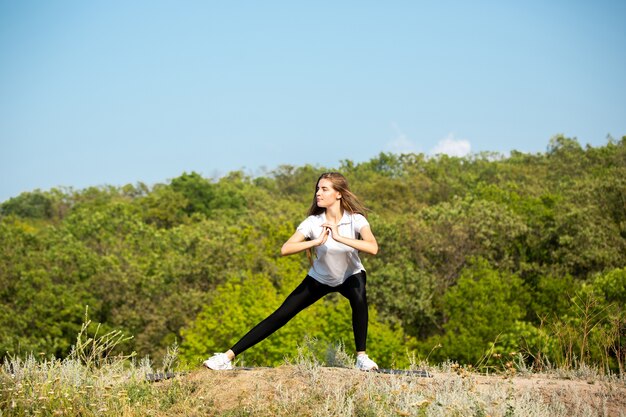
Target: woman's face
point(326, 195)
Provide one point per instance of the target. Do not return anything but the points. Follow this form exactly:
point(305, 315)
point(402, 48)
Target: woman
point(336, 227)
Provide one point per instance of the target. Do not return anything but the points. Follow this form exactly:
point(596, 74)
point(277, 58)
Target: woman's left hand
point(367, 243)
point(333, 230)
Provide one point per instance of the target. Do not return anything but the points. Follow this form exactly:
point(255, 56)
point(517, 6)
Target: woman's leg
point(308, 292)
point(354, 290)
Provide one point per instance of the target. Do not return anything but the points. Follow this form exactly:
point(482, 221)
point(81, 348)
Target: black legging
point(308, 292)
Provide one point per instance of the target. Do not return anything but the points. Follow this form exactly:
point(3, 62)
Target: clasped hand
point(328, 229)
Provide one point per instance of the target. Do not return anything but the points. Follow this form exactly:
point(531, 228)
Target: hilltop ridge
point(302, 390)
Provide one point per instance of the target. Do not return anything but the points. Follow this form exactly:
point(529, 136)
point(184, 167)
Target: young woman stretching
point(336, 227)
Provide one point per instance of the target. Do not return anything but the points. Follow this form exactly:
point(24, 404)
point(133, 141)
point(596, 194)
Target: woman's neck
point(334, 213)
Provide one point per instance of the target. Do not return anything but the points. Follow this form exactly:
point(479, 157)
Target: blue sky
point(116, 92)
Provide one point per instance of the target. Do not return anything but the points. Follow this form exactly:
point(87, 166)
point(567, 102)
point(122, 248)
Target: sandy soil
point(276, 389)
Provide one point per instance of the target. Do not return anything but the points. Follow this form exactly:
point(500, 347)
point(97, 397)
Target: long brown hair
point(349, 201)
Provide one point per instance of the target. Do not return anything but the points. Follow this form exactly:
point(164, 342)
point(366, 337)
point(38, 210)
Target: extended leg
point(308, 292)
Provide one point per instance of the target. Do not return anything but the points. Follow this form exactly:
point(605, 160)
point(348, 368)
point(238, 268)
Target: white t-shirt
point(335, 261)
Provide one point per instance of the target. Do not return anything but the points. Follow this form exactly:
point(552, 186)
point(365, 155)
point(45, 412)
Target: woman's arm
point(297, 243)
point(366, 244)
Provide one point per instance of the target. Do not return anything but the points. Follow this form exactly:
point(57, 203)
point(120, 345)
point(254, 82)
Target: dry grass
point(92, 382)
point(48, 387)
point(297, 390)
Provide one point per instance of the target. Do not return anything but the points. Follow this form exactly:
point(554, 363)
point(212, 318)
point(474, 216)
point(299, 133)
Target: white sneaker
point(218, 362)
point(364, 363)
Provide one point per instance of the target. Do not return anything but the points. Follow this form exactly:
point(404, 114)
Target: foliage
point(484, 255)
point(484, 305)
point(34, 205)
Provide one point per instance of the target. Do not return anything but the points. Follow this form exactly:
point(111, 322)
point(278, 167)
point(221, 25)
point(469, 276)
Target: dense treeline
point(479, 257)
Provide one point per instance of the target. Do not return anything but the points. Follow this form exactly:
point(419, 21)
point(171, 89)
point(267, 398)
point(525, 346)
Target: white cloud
point(452, 147)
point(401, 143)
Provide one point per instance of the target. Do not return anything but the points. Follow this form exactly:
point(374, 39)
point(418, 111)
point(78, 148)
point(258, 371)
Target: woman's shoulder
point(315, 218)
point(358, 220)
point(357, 216)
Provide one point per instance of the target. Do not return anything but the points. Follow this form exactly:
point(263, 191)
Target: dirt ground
point(282, 387)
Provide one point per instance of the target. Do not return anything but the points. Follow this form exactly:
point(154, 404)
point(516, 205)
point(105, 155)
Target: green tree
point(33, 205)
point(484, 305)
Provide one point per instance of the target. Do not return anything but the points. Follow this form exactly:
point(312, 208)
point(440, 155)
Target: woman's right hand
point(323, 237)
point(297, 242)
